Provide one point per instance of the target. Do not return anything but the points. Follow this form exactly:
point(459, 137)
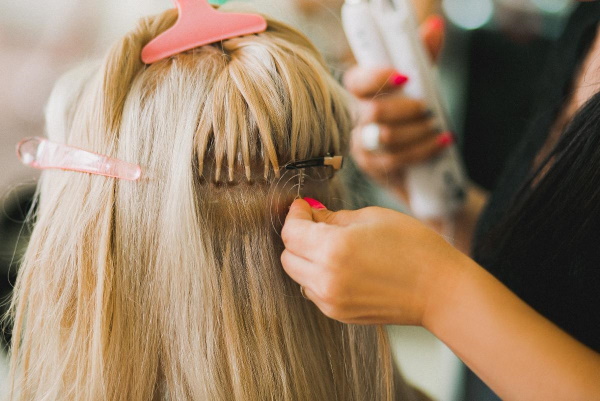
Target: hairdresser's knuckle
point(286, 260)
point(326, 218)
point(285, 233)
point(337, 305)
point(320, 231)
point(419, 108)
point(431, 126)
point(387, 136)
point(290, 232)
point(329, 255)
point(419, 155)
point(389, 161)
point(376, 164)
point(337, 250)
point(329, 310)
point(373, 111)
point(400, 160)
point(320, 289)
point(331, 292)
point(418, 132)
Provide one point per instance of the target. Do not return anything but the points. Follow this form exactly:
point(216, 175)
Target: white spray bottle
point(384, 33)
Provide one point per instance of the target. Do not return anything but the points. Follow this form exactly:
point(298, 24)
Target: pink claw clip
point(200, 24)
point(44, 154)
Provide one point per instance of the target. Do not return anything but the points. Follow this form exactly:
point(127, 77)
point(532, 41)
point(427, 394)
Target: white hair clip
point(43, 154)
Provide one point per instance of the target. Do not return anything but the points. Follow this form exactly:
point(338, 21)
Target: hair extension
point(171, 287)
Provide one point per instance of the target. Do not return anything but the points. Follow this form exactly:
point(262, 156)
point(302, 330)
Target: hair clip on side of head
point(200, 24)
point(43, 154)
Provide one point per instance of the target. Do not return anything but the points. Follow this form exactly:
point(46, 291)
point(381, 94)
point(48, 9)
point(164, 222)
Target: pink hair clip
point(200, 24)
point(44, 154)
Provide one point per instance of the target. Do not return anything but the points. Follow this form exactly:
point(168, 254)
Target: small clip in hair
point(334, 161)
point(200, 24)
point(43, 154)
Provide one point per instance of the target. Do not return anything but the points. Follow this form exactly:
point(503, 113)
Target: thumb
point(300, 210)
point(321, 214)
point(432, 33)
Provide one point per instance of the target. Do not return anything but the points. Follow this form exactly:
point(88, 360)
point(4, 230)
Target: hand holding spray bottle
point(384, 33)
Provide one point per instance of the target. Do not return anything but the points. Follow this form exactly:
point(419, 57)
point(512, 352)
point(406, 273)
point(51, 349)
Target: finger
point(300, 234)
point(427, 149)
point(299, 269)
point(341, 219)
point(394, 137)
point(378, 167)
point(391, 164)
point(392, 110)
point(369, 82)
point(433, 35)
point(301, 211)
point(322, 215)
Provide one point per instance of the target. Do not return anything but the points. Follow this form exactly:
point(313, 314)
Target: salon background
point(494, 49)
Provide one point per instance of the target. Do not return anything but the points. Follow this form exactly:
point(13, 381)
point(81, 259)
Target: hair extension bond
point(170, 287)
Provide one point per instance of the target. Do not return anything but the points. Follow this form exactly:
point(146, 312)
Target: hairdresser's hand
point(407, 133)
point(371, 266)
point(377, 266)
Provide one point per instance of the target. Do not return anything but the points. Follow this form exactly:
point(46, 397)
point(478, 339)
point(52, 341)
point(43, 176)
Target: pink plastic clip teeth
point(200, 24)
point(43, 154)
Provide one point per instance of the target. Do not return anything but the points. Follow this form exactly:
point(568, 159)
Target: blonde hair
point(171, 287)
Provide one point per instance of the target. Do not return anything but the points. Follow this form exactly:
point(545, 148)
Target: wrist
point(443, 293)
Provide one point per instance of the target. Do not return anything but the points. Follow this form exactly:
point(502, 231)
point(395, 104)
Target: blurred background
point(494, 50)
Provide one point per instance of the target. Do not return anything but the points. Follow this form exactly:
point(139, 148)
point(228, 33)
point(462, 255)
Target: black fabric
point(562, 287)
point(499, 67)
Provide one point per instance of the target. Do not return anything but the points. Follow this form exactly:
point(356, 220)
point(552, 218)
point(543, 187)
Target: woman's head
point(171, 286)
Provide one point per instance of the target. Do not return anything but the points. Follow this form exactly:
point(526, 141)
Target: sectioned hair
point(171, 287)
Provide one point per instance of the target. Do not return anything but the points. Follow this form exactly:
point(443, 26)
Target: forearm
point(377, 266)
point(516, 351)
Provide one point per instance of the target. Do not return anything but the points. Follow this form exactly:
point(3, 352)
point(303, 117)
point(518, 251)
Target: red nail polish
point(398, 79)
point(435, 23)
point(445, 139)
point(315, 204)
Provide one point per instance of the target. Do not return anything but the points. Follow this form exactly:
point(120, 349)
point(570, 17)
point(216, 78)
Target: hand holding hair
point(368, 266)
point(378, 266)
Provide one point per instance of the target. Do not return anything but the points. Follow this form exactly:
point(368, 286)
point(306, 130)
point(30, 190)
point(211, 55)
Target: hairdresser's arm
point(376, 266)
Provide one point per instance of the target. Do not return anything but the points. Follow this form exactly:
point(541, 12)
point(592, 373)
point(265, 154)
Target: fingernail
point(445, 139)
point(435, 23)
point(315, 204)
point(398, 79)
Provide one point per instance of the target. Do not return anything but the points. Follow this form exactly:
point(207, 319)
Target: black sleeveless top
point(564, 287)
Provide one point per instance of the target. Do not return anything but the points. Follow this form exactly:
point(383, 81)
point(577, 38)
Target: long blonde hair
point(171, 287)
